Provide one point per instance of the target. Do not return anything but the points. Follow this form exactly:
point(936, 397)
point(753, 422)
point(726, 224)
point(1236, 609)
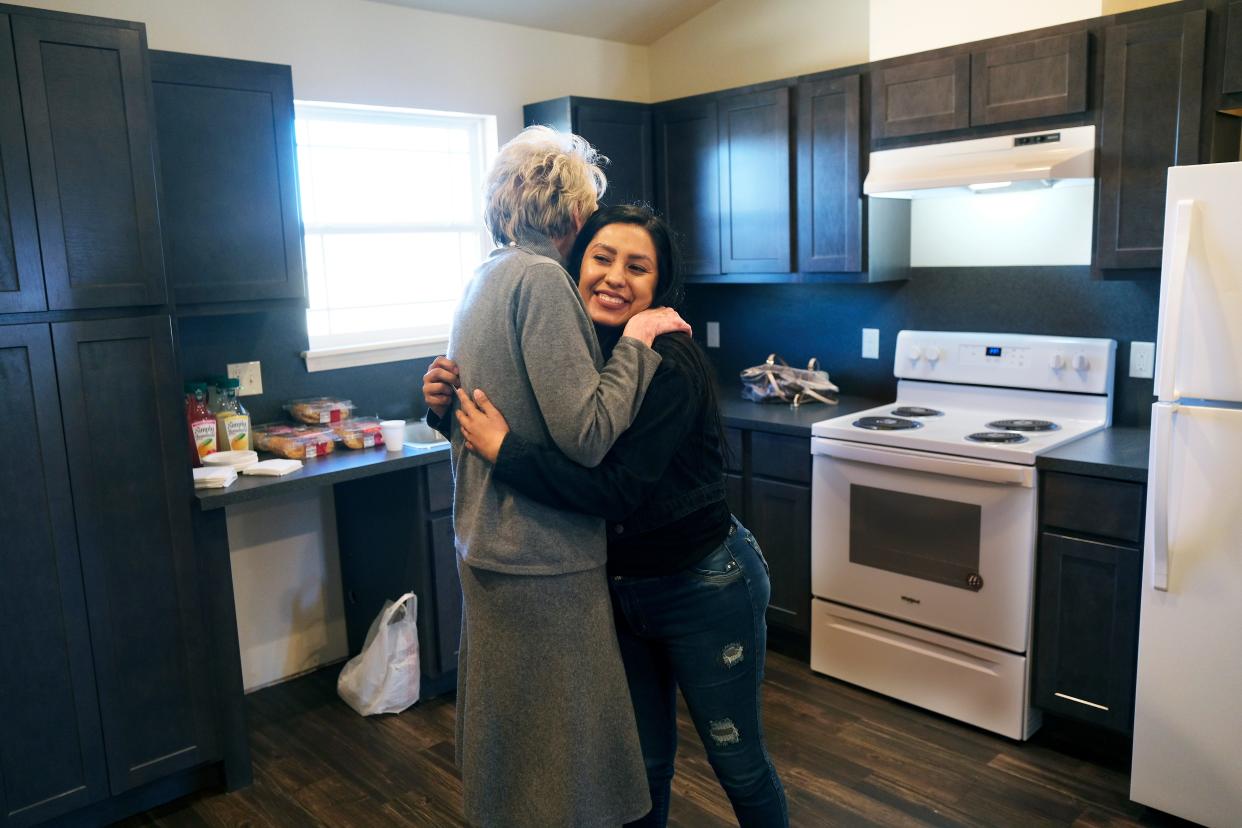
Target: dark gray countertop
point(1116, 453)
point(781, 419)
point(337, 467)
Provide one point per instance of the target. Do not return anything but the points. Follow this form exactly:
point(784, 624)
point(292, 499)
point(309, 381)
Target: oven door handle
point(961, 467)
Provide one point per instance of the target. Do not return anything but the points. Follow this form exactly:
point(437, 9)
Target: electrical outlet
point(871, 343)
point(250, 375)
point(713, 334)
point(1142, 359)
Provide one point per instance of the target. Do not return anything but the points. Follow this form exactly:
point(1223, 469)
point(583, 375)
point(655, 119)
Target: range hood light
point(990, 185)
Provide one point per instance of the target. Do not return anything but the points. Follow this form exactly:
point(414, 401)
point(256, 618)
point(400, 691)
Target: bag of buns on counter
point(359, 432)
point(296, 442)
point(319, 410)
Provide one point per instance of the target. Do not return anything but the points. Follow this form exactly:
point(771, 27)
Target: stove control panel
point(1053, 363)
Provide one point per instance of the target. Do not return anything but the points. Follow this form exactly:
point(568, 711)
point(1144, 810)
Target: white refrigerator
point(1188, 708)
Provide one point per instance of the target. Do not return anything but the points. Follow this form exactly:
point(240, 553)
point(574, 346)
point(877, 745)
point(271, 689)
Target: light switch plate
point(250, 375)
point(713, 334)
point(871, 343)
point(1142, 359)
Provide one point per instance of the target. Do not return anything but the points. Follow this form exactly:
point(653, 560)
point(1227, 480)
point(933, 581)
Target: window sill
point(373, 353)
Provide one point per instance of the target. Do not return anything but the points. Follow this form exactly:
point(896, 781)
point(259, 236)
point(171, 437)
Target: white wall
point(374, 53)
point(737, 42)
point(902, 27)
point(287, 585)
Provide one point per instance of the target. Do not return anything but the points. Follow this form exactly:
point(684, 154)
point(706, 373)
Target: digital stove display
point(993, 351)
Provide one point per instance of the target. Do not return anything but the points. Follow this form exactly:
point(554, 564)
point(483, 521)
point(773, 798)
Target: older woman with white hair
point(545, 728)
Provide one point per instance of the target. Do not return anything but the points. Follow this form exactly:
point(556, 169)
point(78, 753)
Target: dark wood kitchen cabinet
point(85, 99)
point(1153, 78)
point(754, 154)
point(228, 172)
point(128, 452)
point(688, 180)
point(830, 201)
point(104, 664)
point(620, 130)
point(21, 266)
point(1231, 81)
point(1087, 598)
point(395, 533)
point(1029, 79)
point(52, 753)
point(920, 97)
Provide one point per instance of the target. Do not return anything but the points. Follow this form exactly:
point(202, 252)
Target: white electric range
point(923, 519)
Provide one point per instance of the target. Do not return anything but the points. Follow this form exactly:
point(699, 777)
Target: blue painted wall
point(826, 321)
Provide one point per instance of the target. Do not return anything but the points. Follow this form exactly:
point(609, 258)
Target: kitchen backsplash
point(826, 321)
point(277, 339)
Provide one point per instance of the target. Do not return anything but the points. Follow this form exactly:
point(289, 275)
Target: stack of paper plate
point(236, 460)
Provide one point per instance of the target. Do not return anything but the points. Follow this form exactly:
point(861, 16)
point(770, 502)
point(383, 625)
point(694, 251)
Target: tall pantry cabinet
point(105, 684)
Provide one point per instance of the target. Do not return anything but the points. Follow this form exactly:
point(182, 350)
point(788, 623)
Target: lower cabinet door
point(51, 748)
point(1086, 636)
point(447, 592)
point(779, 516)
point(129, 467)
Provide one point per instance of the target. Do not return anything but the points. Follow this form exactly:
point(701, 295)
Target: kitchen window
point(392, 211)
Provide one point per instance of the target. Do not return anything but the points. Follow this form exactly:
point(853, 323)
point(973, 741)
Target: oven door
point(944, 542)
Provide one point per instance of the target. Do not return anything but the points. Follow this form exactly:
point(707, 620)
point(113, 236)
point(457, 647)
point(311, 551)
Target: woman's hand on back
point(649, 324)
point(439, 383)
point(482, 425)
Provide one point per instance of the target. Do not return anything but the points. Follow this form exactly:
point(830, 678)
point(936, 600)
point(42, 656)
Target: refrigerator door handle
point(1161, 437)
point(1175, 286)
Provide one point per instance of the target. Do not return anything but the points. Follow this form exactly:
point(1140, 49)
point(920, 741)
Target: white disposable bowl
point(236, 459)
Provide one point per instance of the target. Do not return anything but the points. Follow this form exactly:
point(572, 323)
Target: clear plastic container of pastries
point(359, 432)
point(319, 410)
point(296, 442)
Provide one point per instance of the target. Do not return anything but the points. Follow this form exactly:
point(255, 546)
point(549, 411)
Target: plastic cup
point(394, 433)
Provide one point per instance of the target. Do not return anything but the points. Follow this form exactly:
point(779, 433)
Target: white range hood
point(1008, 163)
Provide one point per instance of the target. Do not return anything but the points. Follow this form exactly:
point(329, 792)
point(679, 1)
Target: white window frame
point(330, 352)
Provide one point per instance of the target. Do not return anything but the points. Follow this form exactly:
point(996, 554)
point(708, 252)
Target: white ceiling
point(633, 21)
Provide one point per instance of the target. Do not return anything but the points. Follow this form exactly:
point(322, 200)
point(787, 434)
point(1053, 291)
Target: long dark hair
point(670, 290)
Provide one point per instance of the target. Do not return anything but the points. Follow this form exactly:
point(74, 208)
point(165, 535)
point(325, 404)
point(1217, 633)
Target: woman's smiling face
point(618, 275)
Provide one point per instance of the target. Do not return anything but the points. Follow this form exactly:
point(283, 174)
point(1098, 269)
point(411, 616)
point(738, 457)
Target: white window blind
point(392, 209)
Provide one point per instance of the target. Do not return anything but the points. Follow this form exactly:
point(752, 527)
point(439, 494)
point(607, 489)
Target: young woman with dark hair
point(689, 584)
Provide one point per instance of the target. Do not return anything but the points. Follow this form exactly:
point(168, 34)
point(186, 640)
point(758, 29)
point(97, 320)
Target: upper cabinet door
point(230, 214)
point(829, 190)
point(51, 755)
point(128, 452)
point(688, 181)
point(85, 97)
point(21, 270)
point(1153, 79)
point(622, 132)
point(755, 211)
point(1031, 79)
point(916, 98)
point(1233, 50)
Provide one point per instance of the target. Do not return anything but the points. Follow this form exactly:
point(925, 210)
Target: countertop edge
point(308, 477)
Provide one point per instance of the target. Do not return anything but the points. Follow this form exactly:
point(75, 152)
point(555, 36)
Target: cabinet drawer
point(439, 487)
point(780, 456)
point(1108, 508)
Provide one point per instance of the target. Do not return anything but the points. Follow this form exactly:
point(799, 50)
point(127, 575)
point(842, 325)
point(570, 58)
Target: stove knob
point(1057, 362)
point(933, 354)
point(916, 353)
point(1081, 363)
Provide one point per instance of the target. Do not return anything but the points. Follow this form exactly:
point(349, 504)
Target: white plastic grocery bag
point(384, 677)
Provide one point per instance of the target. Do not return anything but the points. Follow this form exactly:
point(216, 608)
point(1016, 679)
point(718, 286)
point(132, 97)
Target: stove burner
point(995, 437)
point(886, 423)
point(1023, 425)
point(915, 411)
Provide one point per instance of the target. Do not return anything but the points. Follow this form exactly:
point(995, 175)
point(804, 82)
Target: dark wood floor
point(847, 757)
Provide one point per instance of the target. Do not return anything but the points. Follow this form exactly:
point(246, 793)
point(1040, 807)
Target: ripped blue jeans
point(703, 630)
